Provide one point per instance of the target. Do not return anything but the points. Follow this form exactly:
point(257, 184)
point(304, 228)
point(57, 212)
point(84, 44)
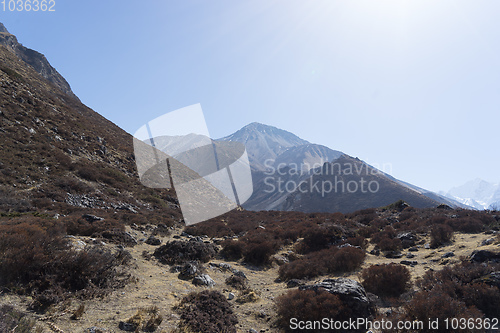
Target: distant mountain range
point(292, 174)
point(476, 193)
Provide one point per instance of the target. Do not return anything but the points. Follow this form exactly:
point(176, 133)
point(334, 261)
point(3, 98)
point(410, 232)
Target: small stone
point(230, 296)
point(448, 255)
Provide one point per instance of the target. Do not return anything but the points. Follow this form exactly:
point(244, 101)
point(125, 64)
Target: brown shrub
point(207, 311)
point(466, 224)
point(237, 282)
point(318, 239)
point(210, 228)
point(441, 234)
point(232, 249)
point(387, 244)
point(466, 282)
point(35, 259)
point(386, 280)
point(435, 305)
point(332, 260)
point(309, 305)
point(179, 252)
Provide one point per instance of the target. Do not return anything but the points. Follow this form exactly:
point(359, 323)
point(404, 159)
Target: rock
point(203, 280)
point(448, 255)
point(239, 273)
point(492, 279)
point(393, 255)
point(294, 283)
point(225, 267)
point(407, 236)
point(375, 252)
point(252, 331)
point(92, 218)
point(152, 240)
point(350, 292)
point(413, 249)
point(230, 296)
point(484, 255)
point(126, 326)
point(410, 255)
point(411, 263)
point(427, 246)
point(488, 241)
point(188, 271)
point(120, 236)
point(94, 329)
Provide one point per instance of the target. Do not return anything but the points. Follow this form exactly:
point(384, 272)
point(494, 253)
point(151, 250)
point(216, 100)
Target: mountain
point(36, 60)
point(285, 169)
point(264, 143)
point(477, 193)
point(59, 155)
point(347, 185)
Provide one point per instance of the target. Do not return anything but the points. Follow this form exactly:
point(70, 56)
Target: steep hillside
point(57, 153)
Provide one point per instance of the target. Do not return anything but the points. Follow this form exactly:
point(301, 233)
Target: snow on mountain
point(477, 193)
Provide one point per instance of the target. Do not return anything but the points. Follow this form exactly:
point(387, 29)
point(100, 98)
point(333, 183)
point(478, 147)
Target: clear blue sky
point(414, 84)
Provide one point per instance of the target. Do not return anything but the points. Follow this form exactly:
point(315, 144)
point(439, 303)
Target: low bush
point(319, 238)
point(232, 249)
point(386, 280)
point(179, 252)
point(237, 282)
point(467, 282)
point(310, 306)
point(441, 234)
point(212, 228)
point(327, 261)
point(428, 306)
point(466, 225)
point(35, 259)
point(387, 244)
point(206, 311)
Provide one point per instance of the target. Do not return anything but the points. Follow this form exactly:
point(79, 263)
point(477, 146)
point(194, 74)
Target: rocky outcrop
point(35, 60)
point(350, 292)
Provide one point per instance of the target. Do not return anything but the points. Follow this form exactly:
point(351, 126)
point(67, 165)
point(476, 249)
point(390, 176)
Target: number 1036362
point(28, 5)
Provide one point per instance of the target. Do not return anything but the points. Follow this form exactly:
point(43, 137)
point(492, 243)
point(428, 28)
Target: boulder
point(484, 255)
point(350, 292)
point(152, 240)
point(189, 271)
point(203, 280)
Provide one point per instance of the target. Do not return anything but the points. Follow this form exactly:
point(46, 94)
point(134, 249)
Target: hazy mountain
point(477, 193)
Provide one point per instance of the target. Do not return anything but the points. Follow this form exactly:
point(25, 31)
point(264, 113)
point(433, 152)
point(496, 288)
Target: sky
point(412, 86)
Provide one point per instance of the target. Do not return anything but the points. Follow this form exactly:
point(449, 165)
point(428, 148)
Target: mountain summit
point(264, 142)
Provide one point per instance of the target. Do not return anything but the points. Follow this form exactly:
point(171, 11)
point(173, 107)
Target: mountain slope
point(348, 185)
point(57, 153)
